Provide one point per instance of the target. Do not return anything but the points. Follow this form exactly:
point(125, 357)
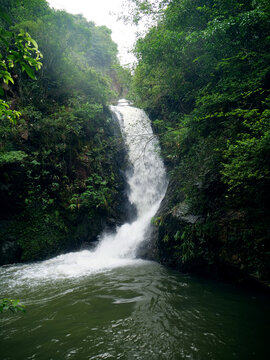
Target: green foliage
point(247, 157)
point(39, 239)
point(26, 54)
point(12, 157)
point(145, 9)
point(16, 49)
point(204, 77)
point(59, 180)
point(5, 111)
point(97, 194)
point(78, 57)
point(12, 305)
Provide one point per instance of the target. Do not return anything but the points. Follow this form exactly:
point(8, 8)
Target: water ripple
point(145, 312)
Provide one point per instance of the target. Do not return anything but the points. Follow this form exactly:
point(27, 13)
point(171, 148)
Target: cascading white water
point(147, 184)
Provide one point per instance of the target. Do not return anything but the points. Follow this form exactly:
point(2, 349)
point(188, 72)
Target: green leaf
point(29, 71)
point(33, 42)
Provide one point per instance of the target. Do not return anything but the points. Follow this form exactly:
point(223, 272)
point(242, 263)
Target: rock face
point(168, 220)
point(9, 252)
point(191, 243)
point(181, 212)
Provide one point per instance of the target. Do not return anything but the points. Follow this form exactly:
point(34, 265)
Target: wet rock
point(181, 212)
point(9, 252)
point(170, 218)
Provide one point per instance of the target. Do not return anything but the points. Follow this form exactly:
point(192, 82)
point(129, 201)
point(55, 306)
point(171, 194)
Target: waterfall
point(147, 183)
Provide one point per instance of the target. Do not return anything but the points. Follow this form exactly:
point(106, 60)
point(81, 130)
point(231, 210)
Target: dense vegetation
point(204, 77)
point(60, 179)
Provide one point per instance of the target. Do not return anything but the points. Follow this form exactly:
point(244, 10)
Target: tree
point(17, 50)
point(203, 76)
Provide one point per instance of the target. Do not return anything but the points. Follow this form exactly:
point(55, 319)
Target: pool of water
point(139, 310)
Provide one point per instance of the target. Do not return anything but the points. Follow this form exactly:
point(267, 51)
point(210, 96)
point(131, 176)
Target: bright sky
point(104, 12)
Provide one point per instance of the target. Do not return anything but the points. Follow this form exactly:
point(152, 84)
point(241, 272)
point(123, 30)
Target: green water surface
point(140, 311)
